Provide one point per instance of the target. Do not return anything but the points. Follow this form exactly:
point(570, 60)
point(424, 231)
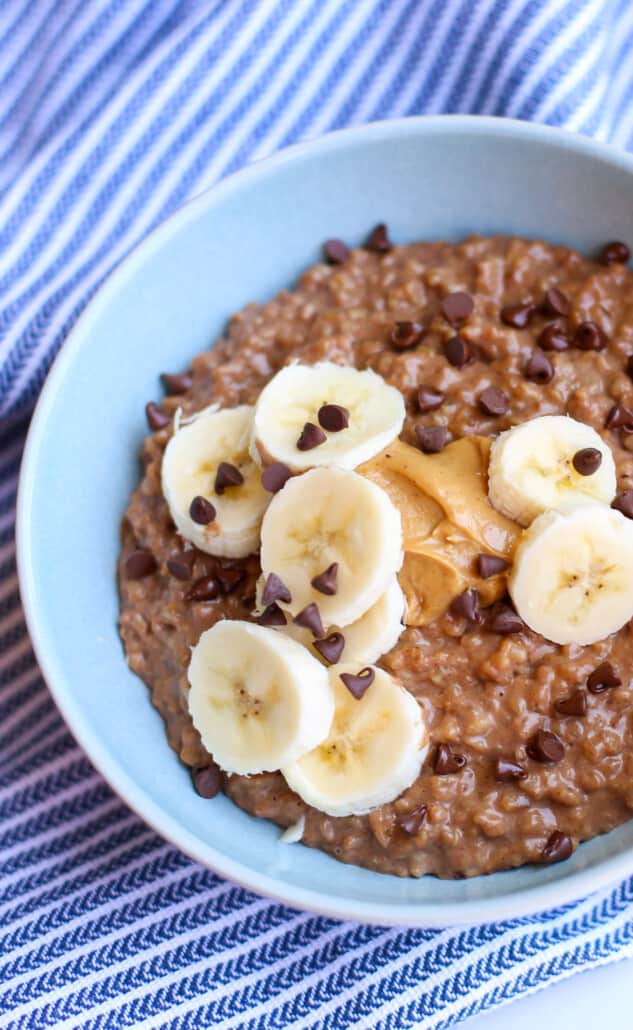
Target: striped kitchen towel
point(112, 113)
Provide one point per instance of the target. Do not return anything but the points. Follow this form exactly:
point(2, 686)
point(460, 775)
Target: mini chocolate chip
point(333, 417)
point(311, 436)
point(428, 399)
point(620, 417)
point(545, 746)
point(614, 253)
point(457, 352)
point(335, 252)
point(325, 582)
point(518, 315)
point(207, 780)
point(489, 565)
point(457, 307)
point(447, 761)
point(624, 503)
point(405, 335)
point(206, 588)
point(506, 621)
point(272, 616)
point(357, 685)
point(310, 617)
point(378, 239)
point(139, 564)
point(587, 461)
point(553, 338)
point(331, 647)
point(177, 384)
point(506, 770)
point(202, 511)
point(181, 565)
point(539, 369)
point(603, 678)
point(229, 579)
point(494, 401)
point(558, 847)
point(412, 821)
point(431, 439)
point(556, 302)
point(589, 336)
point(156, 417)
point(275, 476)
point(466, 605)
point(227, 475)
point(575, 704)
point(275, 590)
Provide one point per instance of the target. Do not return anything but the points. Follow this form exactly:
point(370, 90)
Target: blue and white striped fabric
point(113, 112)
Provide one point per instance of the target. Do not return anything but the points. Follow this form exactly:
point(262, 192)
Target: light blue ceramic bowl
point(245, 239)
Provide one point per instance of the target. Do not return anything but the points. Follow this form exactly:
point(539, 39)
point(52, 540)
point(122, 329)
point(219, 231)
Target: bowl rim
point(506, 904)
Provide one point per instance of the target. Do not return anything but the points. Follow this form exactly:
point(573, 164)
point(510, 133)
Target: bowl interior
point(252, 235)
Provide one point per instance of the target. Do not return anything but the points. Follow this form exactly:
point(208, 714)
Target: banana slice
point(258, 699)
point(531, 467)
point(294, 400)
point(191, 462)
point(374, 750)
point(325, 518)
point(572, 576)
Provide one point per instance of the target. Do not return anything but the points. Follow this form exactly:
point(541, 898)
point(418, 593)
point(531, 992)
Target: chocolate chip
point(140, 563)
point(229, 579)
point(311, 436)
point(181, 565)
point(310, 617)
point(575, 704)
point(431, 439)
point(494, 401)
point(457, 352)
point(202, 511)
point(357, 685)
point(467, 605)
point(589, 336)
point(603, 678)
point(447, 761)
point(489, 565)
point(559, 847)
point(620, 417)
point(378, 239)
point(428, 399)
point(614, 253)
point(624, 503)
point(335, 252)
point(545, 746)
point(405, 335)
point(556, 302)
point(331, 647)
point(412, 821)
point(207, 780)
point(587, 461)
point(506, 621)
point(553, 338)
point(275, 476)
point(629, 366)
point(325, 582)
point(518, 315)
point(206, 588)
point(333, 417)
point(272, 616)
point(177, 384)
point(457, 307)
point(275, 590)
point(227, 475)
point(505, 770)
point(156, 417)
point(539, 369)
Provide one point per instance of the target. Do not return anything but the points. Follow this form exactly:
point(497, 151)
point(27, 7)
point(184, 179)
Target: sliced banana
point(330, 517)
point(258, 699)
point(374, 750)
point(294, 398)
point(190, 466)
point(572, 577)
point(531, 467)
